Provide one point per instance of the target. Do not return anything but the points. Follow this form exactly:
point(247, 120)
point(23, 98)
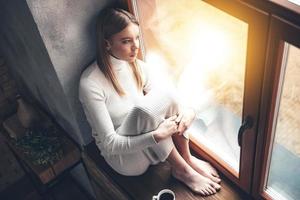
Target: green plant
point(41, 146)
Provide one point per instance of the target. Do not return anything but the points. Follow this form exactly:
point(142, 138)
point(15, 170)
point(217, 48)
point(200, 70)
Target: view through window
point(203, 52)
point(283, 180)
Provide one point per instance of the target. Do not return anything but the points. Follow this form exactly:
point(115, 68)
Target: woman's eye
point(125, 41)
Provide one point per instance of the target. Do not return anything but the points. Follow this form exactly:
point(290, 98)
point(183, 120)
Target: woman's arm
point(109, 142)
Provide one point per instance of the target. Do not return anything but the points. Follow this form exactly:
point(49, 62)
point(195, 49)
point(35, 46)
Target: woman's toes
point(215, 179)
point(197, 183)
point(212, 190)
point(216, 186)
point(206, 192)
point(215, 174)
point(202, 192)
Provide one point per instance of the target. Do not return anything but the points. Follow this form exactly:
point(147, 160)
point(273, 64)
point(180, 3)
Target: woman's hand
point(166, 129)
point(185, 119)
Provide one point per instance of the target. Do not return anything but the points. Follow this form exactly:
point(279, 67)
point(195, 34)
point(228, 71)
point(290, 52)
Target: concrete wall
point(47, 44)
point(67, 28)
point(26, 57)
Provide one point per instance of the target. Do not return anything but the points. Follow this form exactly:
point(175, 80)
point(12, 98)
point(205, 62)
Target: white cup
point(164, 194)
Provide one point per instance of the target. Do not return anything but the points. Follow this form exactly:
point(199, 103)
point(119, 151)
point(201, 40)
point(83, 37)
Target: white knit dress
point(122, 126)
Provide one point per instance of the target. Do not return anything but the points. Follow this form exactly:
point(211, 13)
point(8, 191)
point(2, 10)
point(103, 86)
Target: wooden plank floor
point(66, 189)
point(155, 179)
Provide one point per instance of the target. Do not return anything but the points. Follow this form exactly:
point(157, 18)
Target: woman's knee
point(141, 110)
point(146, 119)
point(157, 106)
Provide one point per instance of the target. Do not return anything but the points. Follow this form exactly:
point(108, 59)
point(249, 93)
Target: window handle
point(247, 124)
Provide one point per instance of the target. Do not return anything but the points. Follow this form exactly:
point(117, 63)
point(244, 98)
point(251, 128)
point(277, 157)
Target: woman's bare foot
point(204, 168)
point(196, 182)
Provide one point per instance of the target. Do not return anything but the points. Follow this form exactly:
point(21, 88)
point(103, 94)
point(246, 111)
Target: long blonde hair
point(109, 22)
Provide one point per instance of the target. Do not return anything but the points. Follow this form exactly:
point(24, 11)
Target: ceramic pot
point(27, 115)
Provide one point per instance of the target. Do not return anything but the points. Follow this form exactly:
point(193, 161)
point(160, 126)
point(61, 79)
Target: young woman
point(135, 125)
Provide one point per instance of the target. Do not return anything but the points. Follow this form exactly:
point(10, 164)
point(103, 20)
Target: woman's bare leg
point(202, 167)
point(182, 171)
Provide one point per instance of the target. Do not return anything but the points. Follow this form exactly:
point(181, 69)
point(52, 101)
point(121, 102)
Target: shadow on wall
point(47, 44)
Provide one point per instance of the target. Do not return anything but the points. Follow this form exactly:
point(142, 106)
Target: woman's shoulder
point(92, 78)
point(91, 71)
point(92, 82)
point(92, 74)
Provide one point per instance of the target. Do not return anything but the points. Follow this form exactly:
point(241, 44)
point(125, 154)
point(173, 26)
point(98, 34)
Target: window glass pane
point(203, 51)
point(297, 2)
point(284, 173)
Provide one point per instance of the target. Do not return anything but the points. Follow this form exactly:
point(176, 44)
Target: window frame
point(280, 31)
point(258, 29)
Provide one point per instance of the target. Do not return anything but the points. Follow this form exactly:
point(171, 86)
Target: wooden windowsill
point(158, 177)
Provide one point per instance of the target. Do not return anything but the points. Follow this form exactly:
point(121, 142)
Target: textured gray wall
point(67, 29)
point(26, 56)
point(48, 44)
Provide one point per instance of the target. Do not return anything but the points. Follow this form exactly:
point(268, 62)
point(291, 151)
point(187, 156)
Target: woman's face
point(125, 44)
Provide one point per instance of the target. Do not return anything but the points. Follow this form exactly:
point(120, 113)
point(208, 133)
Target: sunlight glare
point(159, 71)
point(211, 46)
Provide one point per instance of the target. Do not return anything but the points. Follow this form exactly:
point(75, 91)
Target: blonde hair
point(111, 21)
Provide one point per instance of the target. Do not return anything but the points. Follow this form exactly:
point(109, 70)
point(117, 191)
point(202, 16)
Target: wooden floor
point(143, 187)
point(66, 189)
point(139, 188)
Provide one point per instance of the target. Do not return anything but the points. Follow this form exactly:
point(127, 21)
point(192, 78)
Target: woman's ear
point(107, 45)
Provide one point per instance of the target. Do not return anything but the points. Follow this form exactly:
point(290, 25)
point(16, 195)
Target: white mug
point(165, 194)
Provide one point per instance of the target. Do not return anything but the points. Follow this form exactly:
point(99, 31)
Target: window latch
point(247, 124)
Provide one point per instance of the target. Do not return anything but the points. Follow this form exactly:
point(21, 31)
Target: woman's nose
point(135, 44)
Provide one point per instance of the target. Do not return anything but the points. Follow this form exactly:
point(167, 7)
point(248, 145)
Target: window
point(278, 159)
point(214, 55)
point(285, 155)
point(297, 2)
point(204, 50)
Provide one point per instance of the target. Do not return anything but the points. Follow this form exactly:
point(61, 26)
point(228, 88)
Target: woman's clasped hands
point(184, 120)
point(176, 124)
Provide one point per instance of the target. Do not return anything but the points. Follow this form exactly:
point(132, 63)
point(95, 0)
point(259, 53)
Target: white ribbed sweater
point(105, 109)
